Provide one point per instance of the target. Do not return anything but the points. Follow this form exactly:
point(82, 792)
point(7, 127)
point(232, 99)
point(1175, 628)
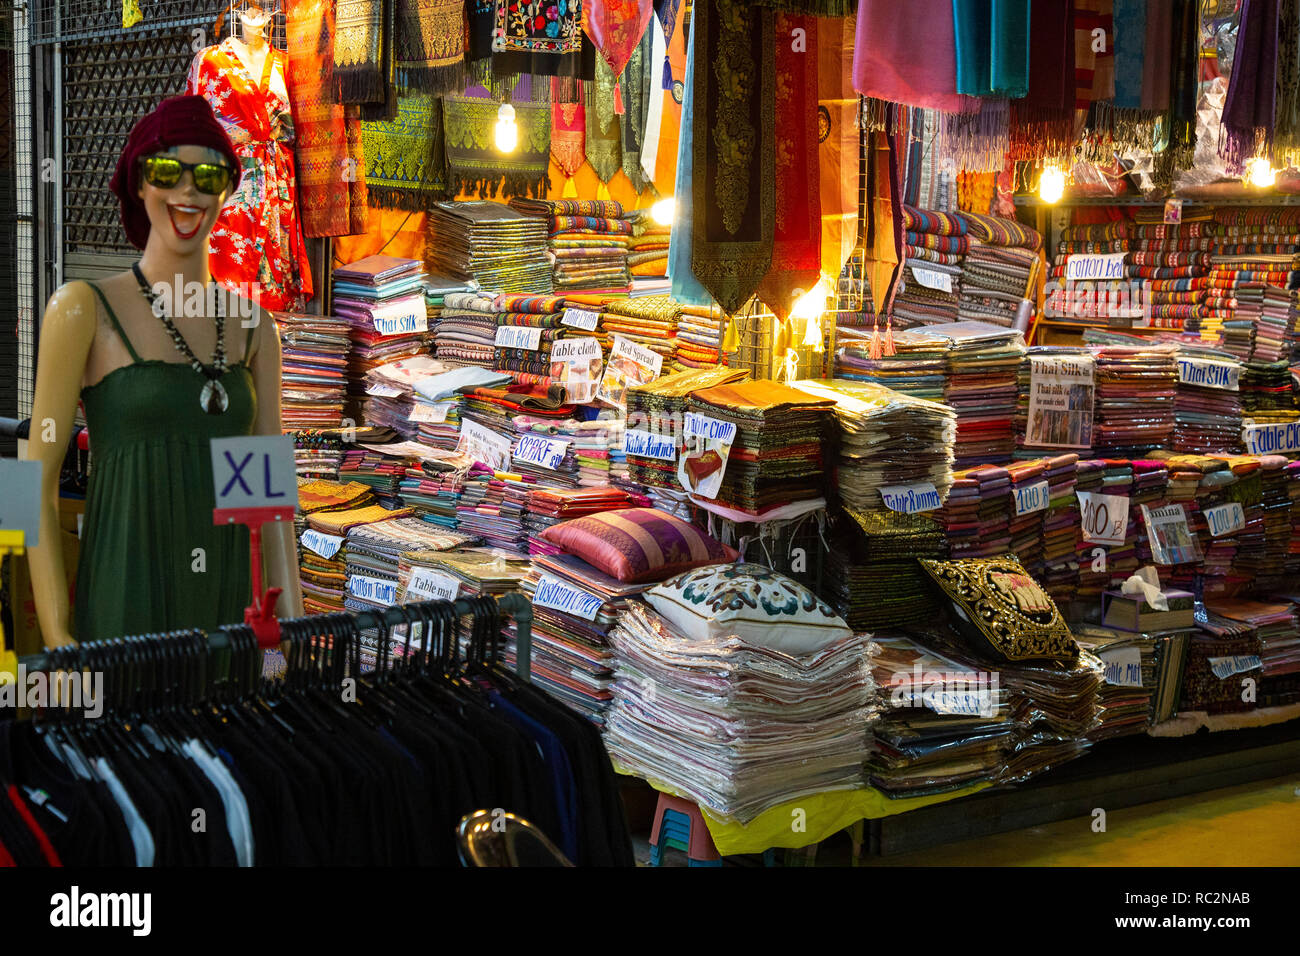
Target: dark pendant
point(213, 398)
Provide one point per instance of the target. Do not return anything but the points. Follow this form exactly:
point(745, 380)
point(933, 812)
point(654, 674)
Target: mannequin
point(257, 243)
point(148, 516)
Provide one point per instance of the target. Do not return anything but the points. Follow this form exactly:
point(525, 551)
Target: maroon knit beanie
point(176, 121)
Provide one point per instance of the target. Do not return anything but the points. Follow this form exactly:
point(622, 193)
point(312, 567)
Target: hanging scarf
point(733, 115)
point(888, 62)
point(604, 141)
point(636, 103)
point(1157, 55)
point(615, 28)
point(407, 166)
point(979, 141)
point(669, 13)
point(430, 45)
point(544, 39)
point(473, 162)
point(796, 244)
point(359, 43)
point(1247, 128)
point(1286, 131)
point(1177, 130)
point(686, 289)
point(568, 139)
point(321, 141)
point(1042, 124)
point(670, 96)
point(811, 8)
point(1130, 52)
point(992, 41)
point(840, 142)
point(1094, 69)
point(655, 96)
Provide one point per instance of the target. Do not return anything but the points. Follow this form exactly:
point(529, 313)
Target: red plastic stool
point(700, 849)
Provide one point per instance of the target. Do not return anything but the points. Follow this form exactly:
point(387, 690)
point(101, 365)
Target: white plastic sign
point(326, 545)
point(536, 450)
point(20, 499)
point(649, 445)
point(560, 595)
point(1225, 519)
point(254, 471)
point(518, 337)
point(911, 499)
point(1032, 498)
point(1103, 518)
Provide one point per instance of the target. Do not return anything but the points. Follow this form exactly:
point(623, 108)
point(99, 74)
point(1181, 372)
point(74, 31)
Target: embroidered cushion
point(758, 605)
point(638, 544)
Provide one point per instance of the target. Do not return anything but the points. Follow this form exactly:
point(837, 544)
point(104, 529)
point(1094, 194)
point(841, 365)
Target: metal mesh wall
point(17, 210)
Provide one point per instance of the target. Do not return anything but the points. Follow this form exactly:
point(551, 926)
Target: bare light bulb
point(507, 131)
point(662, 211)
point(1261, 173)
point(811, 304)
point(1051, 185)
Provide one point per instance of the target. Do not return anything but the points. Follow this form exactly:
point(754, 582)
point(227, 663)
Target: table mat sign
point(1102, 518)
point(1225, 519)
point(911, 499)
point(577, 364)
point(1109, 265)
point(427, 584)
point(546, 452)
point(485, 445)
point(1172, 539)
point(649, 445)
point(1208, 373)
point(580, 319)
point(254, 471)
point(629, 364)
point(1274, 439)
point(1123, 666)
point(1225, 667)
point(932, 279)
point(559, 595)
point(1032, 498)
point(706, 446)
point(376, 590)
point(326, 545)
point(519, 337)
point(20, 499)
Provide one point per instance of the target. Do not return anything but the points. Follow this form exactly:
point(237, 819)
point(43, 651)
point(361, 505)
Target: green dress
point(150, 499)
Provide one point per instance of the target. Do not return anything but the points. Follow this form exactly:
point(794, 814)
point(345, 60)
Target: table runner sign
point(1061, 390)
point(376, 590)
point(1274, 439)
point(1172, 540)
point(1225, 519)
point(1102, 518)
point(485, 445)
point(536, 450)
point(560, 595)
point(577, 364)
point(1123, 666)
point(932, 279)
point(1032, 498)
point(1225, 667)
point(1108, 265)
point(911, 499)
point(326, 545)
point(519, 337)
point(20, 499)
point(629, 364)
point(580, 319)
point(706, 447)
point(1208, 373)
point(426, 584)
point(649, 445)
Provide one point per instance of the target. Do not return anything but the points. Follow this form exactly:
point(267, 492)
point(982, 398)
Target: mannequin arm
point(279, 549)
point(67, 333)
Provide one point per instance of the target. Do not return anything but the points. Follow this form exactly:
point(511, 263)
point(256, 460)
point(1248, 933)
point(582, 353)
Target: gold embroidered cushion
point(1001, 608)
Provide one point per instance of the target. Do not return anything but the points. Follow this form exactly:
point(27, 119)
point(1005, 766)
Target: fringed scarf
point(1122, 125)
point(811, 8)
point(430, 46)
point(568, 139)
point(1247, 128)
point(886, 64)
point(686, 289)
point(884, 241)
point(636, 105)
point(1094, 57)
point(542, 38)
point(604, 140)
point(1157, 55)
point(671, 92)
point(733, 199)
point(406, 160)
point(1286, 115)
point(1042, 124)
point(992, 42)
point(797, 230)
point(473, 162)
point(979, 141)
point(615, 28)
point(322, 145)
point(1177, 130)
point(359, 44)
point(839, 143)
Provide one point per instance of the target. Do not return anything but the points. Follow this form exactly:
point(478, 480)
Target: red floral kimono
point(257, 241)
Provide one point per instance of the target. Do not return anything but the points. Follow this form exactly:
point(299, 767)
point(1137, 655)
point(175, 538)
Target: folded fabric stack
point(918, 367)
point(657, 410)
point(465, 333)
point(526, 355)
point(1027, 510)
point(432, 488)
point(588, 242)
point(1276, 332)
point(699, 338)
point(1176, 294)
point(1093, 576)
point(321, 570)
point(391, 398)
point(1278, 630)
point(983, 362)
point(1089, 301)
point(873, 577)
point(332, 587)
point(496, 246)
point(1150, 485)
point(650, 321)
point(1136, 388)
point(379, 471)
point(585, 439)
point(1058, 570)
point(314, 357)
point(1266, 393)
point(1253, 249)
point(317, 454)
point(1127, 704)
point(647, 249)
point(382, 299)
point(1198, 482)
point(976, 516)
point(491, 507)
point(777, 456)
point(1207, 401)
point(439, 398)
point(1293, 492)
point(1270, 571)
point(1217, 693)
point(744, 717)
point(995, 271)
point(1122, 559)
point(547, 507)
point(930, 278)
point(496, 408)
point(472, 573)
point(1064, 410)
point(887, 439)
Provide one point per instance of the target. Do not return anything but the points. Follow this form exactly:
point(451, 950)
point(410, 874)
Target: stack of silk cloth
point(465, 333)
point(496, 246)
point(1266, 393)
point(650, 321)
point(699, 338)
point(588, 242)
point(547, 507)
point(440, 397)
point(1251, 472)
point(976, 516)
point(918, 367)
point(655, 416)
point(647, 247)
point(383, 301)
point(1058, 570)
point(1292, 471)
point(1270, 574)
point(1175, 294)
point(933, 246)
point(733, 723)
point(777, 457)
point(1207, 404)
point(336, 577)
point(1121, 559)
point(317, 454)
point(1275, 330)
point(1134, 407)
point(431, 487)
point(538, 317)
point(995, 271)
point(496, 407)
point(873, 577)
point(1125, 698)
point(321, 570)
point(1089, 301)
point(491, 507)
point(314, 350)
point(1197, 483)
point(381, 471)
point(1278, 630)
point(1092, 576)
point(983, 363)
point(1150, 485)
point(1217, 661)
point(1028, 507)
point(587, 462)
point(886, 439)
point(1253, 249)
point(471, 573)
point(391, 398)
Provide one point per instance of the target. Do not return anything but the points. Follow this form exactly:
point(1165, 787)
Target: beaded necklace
point(213, 398)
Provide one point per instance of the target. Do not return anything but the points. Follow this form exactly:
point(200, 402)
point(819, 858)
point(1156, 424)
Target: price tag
point(382, 391)
point(547, 452)
point(436, 414)
point(911, 499)
point(965, 703)
point(375, 590)
point(20, 499)
point(1225, 667)
point(518, 337)
point(402, 324)
point(932, 278)
point(1103, 518)
point(1209, 374)
point(580, 319)
point(1105, 266)
point(485, 445)
point(1272, 439)
point(649, 445)
point(1225, 519)
point(326, 545)
point(1123, 666)
point(426, 584)
point(254, 471)
point(560, 595)
point(1032, 498)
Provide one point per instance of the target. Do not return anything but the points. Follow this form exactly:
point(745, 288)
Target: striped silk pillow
point(638, 544)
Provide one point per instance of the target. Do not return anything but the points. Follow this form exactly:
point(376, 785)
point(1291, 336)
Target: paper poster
point(559, 595)
point(1060, 401)
point(629, 364)
point(1225, 667)
point(1275, 439)
point(375, 590)
point(1102, 518)
point(326, 545)
point(426, 584)
point(1123, 666)
point(1108, 265)
point(706, 446)
point(434, 414)
point(483, 444)
point(911, 499)
point(403, 324)
point(382, 391)
point(1172, 540)
point(577, 364)
point(932, 278)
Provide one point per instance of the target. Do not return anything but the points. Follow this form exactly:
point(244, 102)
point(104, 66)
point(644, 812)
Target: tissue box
point(1131, 612)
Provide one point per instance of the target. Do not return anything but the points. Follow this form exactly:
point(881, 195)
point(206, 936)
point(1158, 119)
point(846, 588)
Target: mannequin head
point(182, 215)
point(255, 22)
